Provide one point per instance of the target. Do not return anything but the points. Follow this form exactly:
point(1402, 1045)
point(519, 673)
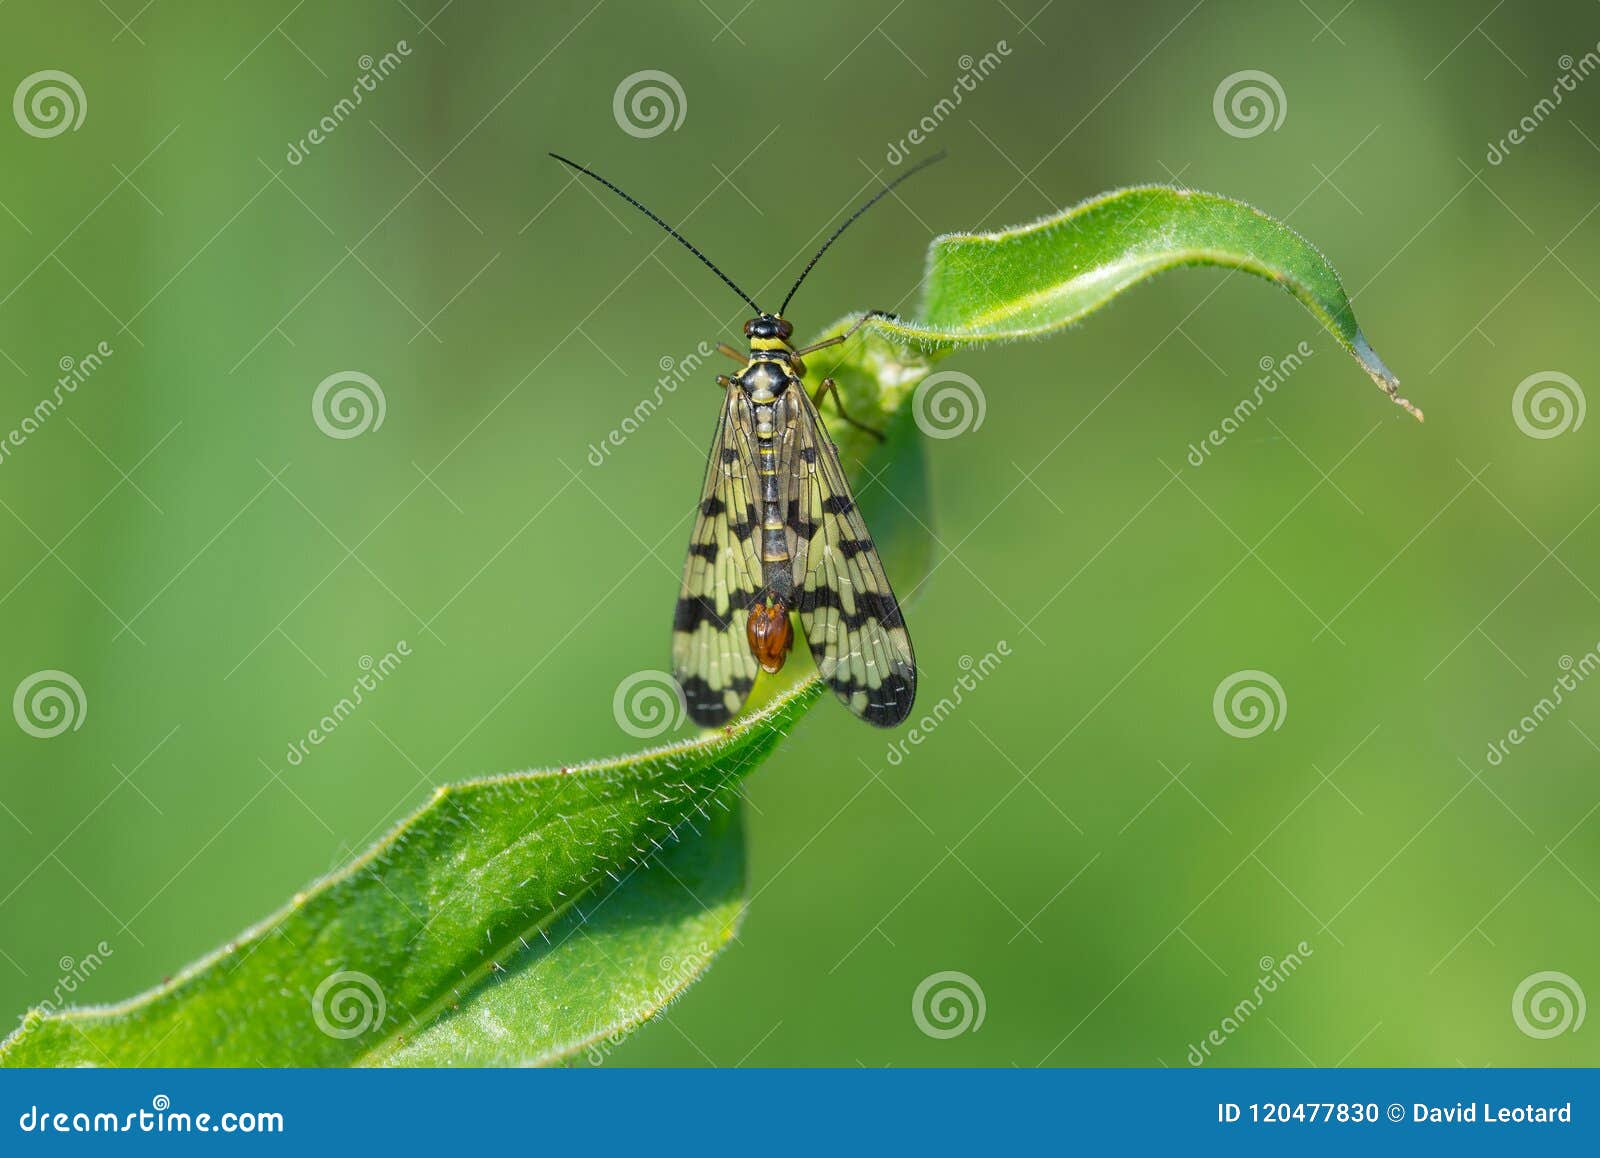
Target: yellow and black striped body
point(766, 379)
point(767, 382)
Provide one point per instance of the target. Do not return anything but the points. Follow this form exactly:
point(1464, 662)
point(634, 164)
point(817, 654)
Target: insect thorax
point(765, 377)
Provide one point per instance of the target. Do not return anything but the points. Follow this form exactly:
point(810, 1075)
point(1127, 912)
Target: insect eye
point(750, 328)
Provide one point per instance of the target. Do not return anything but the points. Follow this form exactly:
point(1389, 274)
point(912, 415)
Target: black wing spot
point(730, 454)
point(706, 551)
point(808, 454)
point(869, 605)
point(850, 548)
point(838, 504)
point(707, 706)
point(799, 525)
point(889, 704)
point(693, 610)
point(712, 507)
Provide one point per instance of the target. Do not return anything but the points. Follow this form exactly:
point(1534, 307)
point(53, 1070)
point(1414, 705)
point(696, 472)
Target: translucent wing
point(710, 656)
point(851, 619)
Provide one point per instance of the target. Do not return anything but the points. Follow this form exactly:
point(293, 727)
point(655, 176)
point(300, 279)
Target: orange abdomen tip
point(770, 635)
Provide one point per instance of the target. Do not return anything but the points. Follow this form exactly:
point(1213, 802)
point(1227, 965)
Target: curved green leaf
point(506, 921)
point(1035, 279)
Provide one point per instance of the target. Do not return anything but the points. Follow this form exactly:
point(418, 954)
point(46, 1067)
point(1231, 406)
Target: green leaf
point(513, 919)
point(609, 964)
point(1035, 279)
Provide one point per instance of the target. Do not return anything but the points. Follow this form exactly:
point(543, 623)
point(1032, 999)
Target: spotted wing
point(851, 619)
point(710, 656)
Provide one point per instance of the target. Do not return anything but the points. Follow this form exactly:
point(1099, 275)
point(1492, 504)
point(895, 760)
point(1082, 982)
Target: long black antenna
point(682, 240)
point(873, 200)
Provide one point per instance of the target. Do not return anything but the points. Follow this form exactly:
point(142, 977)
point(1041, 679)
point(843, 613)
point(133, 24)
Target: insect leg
point(724, 348)
point(838, 339)
point(830, 386)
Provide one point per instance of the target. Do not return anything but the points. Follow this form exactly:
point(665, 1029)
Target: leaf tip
point(1368, 357)
point(1381, 374)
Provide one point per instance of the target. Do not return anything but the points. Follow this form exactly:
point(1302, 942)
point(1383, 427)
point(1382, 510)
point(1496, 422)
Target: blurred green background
point(1081, 838)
